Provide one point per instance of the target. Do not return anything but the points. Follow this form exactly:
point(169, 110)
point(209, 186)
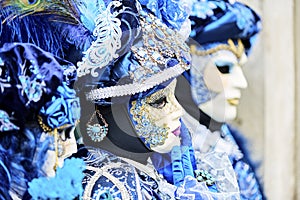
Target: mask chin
point(219, 110)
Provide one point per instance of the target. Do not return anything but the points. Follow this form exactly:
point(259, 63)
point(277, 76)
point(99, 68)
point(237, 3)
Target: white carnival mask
point(217, 83)
point(157, 119)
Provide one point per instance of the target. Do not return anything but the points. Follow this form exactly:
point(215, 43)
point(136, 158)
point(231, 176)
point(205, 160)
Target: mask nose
point(175, 110)
point(238, 78)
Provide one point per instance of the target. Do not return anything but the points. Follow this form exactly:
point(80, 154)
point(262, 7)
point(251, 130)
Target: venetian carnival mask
point(157, 119)
point(219, 82)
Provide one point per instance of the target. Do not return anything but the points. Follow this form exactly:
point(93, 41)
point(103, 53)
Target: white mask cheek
point(49, 163)
point(237, 78)
point(48, 166)
point(219, 109)
point(68, 146)
point(214, 80)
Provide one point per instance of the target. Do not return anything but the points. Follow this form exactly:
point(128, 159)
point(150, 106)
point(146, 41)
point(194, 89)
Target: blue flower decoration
point(65, 185)
point(63, 109)
point(170, 12)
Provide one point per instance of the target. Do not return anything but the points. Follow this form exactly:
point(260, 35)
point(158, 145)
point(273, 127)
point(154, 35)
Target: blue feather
point(89, 10)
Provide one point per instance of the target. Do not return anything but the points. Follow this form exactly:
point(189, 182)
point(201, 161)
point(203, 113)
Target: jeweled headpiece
point(158, 54)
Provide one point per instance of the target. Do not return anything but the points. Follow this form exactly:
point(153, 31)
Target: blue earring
point(95, 130)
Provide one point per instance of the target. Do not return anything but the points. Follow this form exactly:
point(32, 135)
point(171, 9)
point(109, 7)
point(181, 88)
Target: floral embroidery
point(32, 88)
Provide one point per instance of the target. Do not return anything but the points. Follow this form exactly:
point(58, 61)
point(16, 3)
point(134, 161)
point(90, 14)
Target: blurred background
point(269, 112)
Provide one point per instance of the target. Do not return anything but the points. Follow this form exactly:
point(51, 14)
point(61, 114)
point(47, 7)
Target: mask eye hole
point(159, 103)
point(224, 69)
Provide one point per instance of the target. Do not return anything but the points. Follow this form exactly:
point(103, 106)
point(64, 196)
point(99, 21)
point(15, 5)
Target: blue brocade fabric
point(109, 177)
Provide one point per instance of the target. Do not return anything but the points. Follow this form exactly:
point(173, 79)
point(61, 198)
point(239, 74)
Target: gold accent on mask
point(145, 126)
point(237, 50)
point(234, 101)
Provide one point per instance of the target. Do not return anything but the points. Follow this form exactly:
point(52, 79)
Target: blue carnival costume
point(213, 23)
point(36, 98)
point(125, 52)
point(141, 56)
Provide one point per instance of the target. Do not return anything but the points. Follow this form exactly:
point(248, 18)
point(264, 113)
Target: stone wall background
point(269, 113)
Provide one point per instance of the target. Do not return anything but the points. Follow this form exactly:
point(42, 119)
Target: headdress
point(101, 31)
point(215, 21)
point(37, 84)
point(156, 55)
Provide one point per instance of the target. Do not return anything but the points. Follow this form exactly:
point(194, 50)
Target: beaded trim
point(237, 50)
point(48, 129)
point(133, 88)
point(45, 128)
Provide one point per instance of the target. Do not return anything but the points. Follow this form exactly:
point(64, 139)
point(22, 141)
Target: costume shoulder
point(108, 176)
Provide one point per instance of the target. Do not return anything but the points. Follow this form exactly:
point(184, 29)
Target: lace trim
point(133, 88)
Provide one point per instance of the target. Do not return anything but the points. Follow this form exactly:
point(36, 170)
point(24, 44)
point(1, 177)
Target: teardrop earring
point(95, 130)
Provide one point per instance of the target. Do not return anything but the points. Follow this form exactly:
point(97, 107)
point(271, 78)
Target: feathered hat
point(216, 21)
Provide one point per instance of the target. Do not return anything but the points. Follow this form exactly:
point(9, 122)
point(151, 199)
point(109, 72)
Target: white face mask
point(161, 113)
point(223, 76)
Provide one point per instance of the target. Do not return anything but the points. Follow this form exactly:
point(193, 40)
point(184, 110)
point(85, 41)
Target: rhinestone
point(159, 33)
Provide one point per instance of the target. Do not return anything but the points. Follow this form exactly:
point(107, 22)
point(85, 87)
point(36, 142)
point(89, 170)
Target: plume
point(34, 21)
point(67, 28)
